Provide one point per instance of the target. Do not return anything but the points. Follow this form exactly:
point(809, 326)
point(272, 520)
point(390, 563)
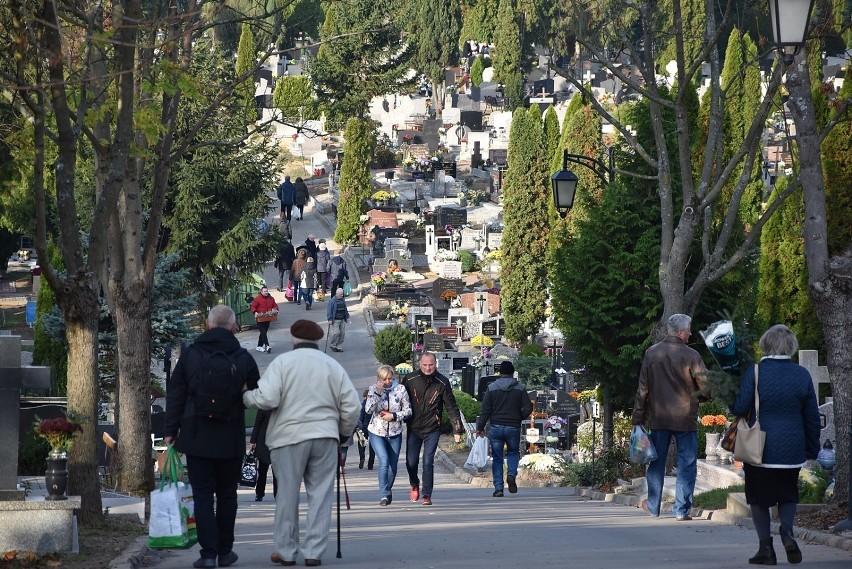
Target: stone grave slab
point(422, 313)
point(381, 218)
point(448, 332)
point(413, 298)
point(457, 316)
point(431, 241)
point(400, 243)
point(494, 241)
point(444, 363)
point(450, 269)
point(452, 216)
point(433, 342)
point(460, 361)
point(470, 239)
point(442, 285)
point(490, 328)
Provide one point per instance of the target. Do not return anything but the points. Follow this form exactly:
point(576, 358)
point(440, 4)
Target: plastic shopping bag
point(289, 294)
point(347, 288)
point(478, 457)
point(249, 472)
point(642, 450)
point(172, 523)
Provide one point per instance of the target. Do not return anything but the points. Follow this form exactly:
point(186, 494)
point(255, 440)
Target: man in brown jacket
point(672, 374)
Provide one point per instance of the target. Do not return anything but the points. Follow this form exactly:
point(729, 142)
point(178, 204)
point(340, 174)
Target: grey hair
point(677, 323)
point(221, 316)
point(384, 370)
point(779, 341)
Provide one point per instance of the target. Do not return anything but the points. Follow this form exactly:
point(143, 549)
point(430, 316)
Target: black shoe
point(765, 554)
point(513, 486)
point(307, 307)
point(794, 554)
point(384, 502)
point(203, 562)
point(258, 498)
point(361, 464)
point(497, 494)
point(228, 559)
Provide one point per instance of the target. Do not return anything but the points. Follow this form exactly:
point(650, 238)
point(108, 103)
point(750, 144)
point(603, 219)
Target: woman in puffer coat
point(323, 259)
point(389, 405)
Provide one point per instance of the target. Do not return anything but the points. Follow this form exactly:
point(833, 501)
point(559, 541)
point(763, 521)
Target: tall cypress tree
point(523, 273)
point(436, 30)
point(355, 184)
point(506, 54)
point(244, 91)
point(837, 168)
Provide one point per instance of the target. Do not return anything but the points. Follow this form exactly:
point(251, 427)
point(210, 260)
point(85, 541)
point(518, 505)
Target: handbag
point(750, 440)
point(729, 439)
point(249, 470)
point(289, 294)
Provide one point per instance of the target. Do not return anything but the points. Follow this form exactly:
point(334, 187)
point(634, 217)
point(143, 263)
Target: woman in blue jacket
point(790, 418)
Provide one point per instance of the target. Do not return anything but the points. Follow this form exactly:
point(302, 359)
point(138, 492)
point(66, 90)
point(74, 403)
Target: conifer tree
point(437, 24)
point(551, 130)
point(244, 92)
point(355, 184)
point(478, 21)
point(837, 167)
point(506, 54)
point(523, 273)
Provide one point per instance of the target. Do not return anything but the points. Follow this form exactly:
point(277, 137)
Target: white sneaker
point(260, 349)
point(268, 350)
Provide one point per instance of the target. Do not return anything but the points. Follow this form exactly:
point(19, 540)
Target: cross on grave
point(809, 359)
point(13, 378)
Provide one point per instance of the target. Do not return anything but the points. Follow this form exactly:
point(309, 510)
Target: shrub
point(392, 345)
point(32, 454)
point(532, 350)
point(468, 261)
point(476, 71)
point(812, 485)
point(469, 407)
point(534, 371)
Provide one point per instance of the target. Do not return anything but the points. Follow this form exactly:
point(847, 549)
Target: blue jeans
point(306, 294)
point(387, 451)
point(510, 437)
point(687, 468)
point(429, 443)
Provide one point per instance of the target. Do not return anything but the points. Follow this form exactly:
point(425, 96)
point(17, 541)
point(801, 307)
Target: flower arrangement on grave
point(418, 347)
point(446, 255)
point(381, 195)
point(403, 368)
point(449, 295)
point(394, 277)
point(587, 395)
point(551, 439)
point(58, 432)
point(477, 362)
point(494, 255)
point(480, 340)
point(547, 463)
point(379, 279)
point(539, 415)
point(555, 423)
point(574, 394)
point(714, 423)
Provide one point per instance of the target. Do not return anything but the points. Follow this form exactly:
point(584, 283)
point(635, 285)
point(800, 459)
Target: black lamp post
point(790, 19)
point(564, 182)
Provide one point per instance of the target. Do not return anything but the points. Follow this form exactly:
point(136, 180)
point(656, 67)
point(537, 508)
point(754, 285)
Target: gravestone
point(431, 242)
point(494, 241)
point(809, 359)
point(498, 156)
point(457, 316)
point(444, 363)
point(422, 313)
point(452, 216)
point(14, 378)
point(460, 361)
point(400, 243)
point(480, 306)
point(433, 342)
point(470, 239)
point(442, 285)
point(450, 269)
point(413, 298)
point(448, 332)
point(489, 328)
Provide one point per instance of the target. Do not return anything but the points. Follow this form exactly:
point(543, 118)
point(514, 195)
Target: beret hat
point(306, 330)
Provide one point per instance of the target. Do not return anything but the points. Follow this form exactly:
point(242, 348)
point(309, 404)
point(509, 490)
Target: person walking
point(338, 272)
point(283, 262)
point(505, 406)
point(263, 304)
point(307, 283)
point(789, 417)
point(301, 196)
point(311, 245)
point(388, 403)
point(671, 376)
point(257, 443)
point(287, 196)
point(296, 272)
point(314, 406)
point(213, 368)
point(429, 392)
point(363, 424)
point(338, 317)
point(323, 259)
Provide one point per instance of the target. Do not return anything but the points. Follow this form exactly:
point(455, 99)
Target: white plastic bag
point(478, 457)
point(172, 523)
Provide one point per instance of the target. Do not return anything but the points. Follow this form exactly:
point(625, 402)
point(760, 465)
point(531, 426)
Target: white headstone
point(450, 270)
point(400, 243)
point(458, 313)
point(431, 242)
point(480, 306)
point(415, 311)
point(470, 239)
point(809, 359)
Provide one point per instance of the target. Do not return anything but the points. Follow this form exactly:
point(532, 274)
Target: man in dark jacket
point(283, 262)
point(672, 374)
point(506, 404)
point(261, 452)
point(301, 196)
point(214, 447)
point(338, 317)
point(429, 392)
point(337, 271)
point(287, 196)
point(311, 246)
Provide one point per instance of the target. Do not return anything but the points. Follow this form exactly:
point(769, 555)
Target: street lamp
point(564, 182)
point(790, 19)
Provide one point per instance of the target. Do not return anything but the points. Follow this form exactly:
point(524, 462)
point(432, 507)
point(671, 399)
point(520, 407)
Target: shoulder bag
point(750, 440)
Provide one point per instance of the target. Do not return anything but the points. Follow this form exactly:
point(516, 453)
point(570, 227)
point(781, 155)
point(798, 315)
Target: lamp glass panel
point(790, 20)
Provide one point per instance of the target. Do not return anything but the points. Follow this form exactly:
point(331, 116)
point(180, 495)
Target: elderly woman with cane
point(388, 403)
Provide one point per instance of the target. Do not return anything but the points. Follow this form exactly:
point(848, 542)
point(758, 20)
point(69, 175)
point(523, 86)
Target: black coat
point(199, 436)
point(285, 258)
point(429, 396)
point(258, 436)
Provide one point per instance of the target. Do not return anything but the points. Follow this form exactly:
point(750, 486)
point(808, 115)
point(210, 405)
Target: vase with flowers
point(713, 425)
point(59, 433)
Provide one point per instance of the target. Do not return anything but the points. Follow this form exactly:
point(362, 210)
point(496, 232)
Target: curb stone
point(133, 555)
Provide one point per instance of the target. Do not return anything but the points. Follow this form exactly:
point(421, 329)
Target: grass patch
point(715, 499)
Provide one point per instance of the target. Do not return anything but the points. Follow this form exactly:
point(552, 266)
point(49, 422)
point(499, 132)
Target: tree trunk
point(438, 92)
point(133, 326)
point(81, 324)
point(830, 280)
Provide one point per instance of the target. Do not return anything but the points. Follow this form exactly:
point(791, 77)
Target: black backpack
point(216, 388)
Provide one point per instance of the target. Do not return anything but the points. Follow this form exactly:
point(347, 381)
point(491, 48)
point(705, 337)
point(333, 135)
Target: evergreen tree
point(355, 184)
point(362, 56)
point(523, 273)
point(574, 105)
point(478, 21)
point(244, 91)
point(437, 25)
point(551, 132)
point(783, 296)
point(476, 71)
point(694, 17)
point(49, 345)
point(294, 97)
point(506, 54)
point(837, 167)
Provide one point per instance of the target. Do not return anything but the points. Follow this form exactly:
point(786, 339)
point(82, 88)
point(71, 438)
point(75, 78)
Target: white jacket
point(311, 396)
point(395, 399)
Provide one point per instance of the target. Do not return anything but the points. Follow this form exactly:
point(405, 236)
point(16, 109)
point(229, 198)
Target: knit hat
point(306, 330)
point(506, 367)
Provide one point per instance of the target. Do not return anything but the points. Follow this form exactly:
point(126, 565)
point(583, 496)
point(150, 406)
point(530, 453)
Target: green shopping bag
point(172, 522)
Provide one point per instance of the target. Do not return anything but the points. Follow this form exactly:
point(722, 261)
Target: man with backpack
point(337, 271)
point(205, 419)
point(338, 317)
point(287, 197)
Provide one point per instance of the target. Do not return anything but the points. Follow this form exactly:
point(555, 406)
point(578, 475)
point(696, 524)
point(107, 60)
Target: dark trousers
point(263, 328)
point(301, 210)
point(262, 472)
point(334, 284)
point(429, 443)
point(219, 477)
point(288, 211)
point(322, 284)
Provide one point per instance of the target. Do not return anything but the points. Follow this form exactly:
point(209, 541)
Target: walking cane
point(339, 554)
point(327, 336)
